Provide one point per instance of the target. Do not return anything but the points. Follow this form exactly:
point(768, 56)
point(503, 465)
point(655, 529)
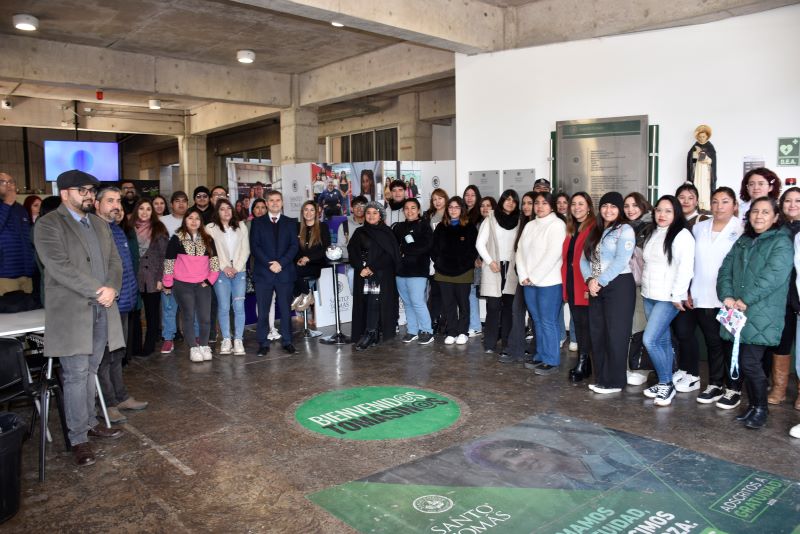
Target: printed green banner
point(556, 475)
point(375, 413)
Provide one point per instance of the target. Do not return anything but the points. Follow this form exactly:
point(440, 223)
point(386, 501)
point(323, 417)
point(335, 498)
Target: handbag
point(638, 358)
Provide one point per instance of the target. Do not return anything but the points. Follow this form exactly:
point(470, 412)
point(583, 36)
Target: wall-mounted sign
point(789, 152)
point(601, 155)
point(520, 180)
point(488, 182)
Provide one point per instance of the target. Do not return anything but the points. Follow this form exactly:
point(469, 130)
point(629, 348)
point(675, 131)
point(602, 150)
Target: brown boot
point(780, 378)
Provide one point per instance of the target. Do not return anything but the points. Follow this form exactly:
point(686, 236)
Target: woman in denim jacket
point(612, 293)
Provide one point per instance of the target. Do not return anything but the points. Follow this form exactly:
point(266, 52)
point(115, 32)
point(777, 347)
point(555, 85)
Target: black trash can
point(11, 434)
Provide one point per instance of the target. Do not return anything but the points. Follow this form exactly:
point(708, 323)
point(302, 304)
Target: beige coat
point(70, 288)
point(490, 282)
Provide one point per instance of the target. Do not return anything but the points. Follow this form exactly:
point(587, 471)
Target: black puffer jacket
point(453, 249)
point(415, 239)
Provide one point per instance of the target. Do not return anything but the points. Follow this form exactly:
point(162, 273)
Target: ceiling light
point(154, 103)
point(26, 23)
point(337, 24)
point(245, 56)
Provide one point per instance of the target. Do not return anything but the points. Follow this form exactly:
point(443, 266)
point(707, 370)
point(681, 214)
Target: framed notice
point(520, 180)
point(601, 155)
point(488, 182)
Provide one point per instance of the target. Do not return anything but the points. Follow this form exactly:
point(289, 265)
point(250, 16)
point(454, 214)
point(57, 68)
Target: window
point(374, 145)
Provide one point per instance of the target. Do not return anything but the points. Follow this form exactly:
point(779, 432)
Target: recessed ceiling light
point(154, 103)
point(245, 56)
point(26, 23)
point(337, 24)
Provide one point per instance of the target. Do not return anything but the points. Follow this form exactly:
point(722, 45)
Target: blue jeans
point(169, 314)
point(474, 309)
point(657, 337)
point(412, 291)
point(227, 289)
point(544, 303)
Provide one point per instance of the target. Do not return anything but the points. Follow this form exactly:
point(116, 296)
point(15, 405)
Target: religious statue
point(701, 166)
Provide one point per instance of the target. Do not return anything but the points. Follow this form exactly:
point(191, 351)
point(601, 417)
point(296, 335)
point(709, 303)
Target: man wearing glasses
point(16, 259)
point(82, 277)
point(202, 203)
point(129, 196)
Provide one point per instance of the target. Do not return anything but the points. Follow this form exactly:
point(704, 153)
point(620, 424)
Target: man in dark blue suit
point(274, 245)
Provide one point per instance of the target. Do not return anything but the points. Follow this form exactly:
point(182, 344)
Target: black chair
point(17, 383)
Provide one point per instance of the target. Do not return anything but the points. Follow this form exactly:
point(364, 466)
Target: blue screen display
point(101, 160)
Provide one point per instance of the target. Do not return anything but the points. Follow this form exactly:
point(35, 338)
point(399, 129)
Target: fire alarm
point(99, 94)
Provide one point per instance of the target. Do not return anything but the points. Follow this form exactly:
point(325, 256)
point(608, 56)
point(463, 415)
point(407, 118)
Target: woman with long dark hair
point(151, 238)
point(454, 256)
point(667, 272)
point(782, 354)
point(605, 267)
point(754, 279)
point(437, 211)
point(538, 262)
point(495, 245)
point(580, 222)
point(472, 201)
point(160, 205)
point(757, 183)
point(375, 257)
point(713, 240)
point(562, 208)
point(367, 179)
point(314, 238)
point(232, 243)
point(32, 204)
point(191, 267)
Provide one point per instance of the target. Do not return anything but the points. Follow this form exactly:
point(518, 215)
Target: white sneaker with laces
point(573, 346)
point(678, 375)
point(195, 354)
point(603, 390)
point(637, 378)
point(274, 334)
point(461, 339)
point(651, 392)
point(449, 340)
point(687, 383)
point(238, 347)
point(226, 346)
point(665, 394)
point(206, 351)
point(472, 333)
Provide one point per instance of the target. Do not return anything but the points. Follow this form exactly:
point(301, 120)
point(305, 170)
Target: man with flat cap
point(82, 277)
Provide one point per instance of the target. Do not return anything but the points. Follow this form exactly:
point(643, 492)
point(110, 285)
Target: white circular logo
point(435, 181)
point(432, 504)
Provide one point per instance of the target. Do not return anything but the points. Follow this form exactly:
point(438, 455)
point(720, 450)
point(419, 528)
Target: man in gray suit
point(82, 277)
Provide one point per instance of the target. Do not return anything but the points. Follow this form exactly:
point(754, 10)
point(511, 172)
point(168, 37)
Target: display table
point(337, 338)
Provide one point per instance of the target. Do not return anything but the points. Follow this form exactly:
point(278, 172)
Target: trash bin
point(11, 434)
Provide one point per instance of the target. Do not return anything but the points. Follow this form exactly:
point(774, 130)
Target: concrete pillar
point(414, 137)
point(299, 132)
point(193, 162)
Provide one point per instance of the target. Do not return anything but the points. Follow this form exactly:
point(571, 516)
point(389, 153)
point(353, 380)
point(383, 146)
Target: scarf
point(394, 206)
point(143, 233)
point(507, 221)
point(382, 242)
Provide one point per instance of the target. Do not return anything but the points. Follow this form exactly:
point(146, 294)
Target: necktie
point(274, 220)
point(85, 222)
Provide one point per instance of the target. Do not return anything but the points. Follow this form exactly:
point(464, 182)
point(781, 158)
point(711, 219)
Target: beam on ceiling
point(220, 116)
point(552, 21)
point(59, 115)
point(389, 68)
point(466, 26)
point(27, 59)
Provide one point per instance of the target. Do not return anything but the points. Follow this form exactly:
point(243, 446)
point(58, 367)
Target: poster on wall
point(249, 180)
point(520, 180)
point(600, 155)
point(488, 182)
point(295, 187)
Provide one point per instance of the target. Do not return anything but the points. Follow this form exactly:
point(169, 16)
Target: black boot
point(582, 370)
point(758, 418)
point(367, 340)
point(750, 401)
point(744, 416)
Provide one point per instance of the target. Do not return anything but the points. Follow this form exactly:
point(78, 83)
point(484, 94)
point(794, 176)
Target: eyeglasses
point(7, 182)
point(201, 195)
point(84, 191)
point(219, 195)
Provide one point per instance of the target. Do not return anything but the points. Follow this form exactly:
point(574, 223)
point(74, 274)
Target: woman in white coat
point(233, 249)
point(713, 240)
point(539, 271)
point(499, 283)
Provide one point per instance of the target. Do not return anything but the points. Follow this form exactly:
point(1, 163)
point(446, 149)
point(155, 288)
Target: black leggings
point(718, 349)
point(498, 320)
point(580, 316)
point(684, 326)
point(455, 304)
point(194, 299)
point(610, 321)
point(152, 317)
point(752, 372)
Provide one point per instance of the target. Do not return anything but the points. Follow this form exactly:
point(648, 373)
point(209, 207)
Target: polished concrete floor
point(217, 449)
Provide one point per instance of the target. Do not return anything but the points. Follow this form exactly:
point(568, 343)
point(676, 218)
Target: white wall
point(443, 142)
point(740, 76)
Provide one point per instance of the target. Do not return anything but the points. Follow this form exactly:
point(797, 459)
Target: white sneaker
point(461, 339)
point(795, 431)
point(238, 347)
point(687, 383)
point(225, 347)
point(449, 340)
point(678, 375)
point(472, 333)
point(605, 390)
point(274, 334)
point(195, 354)
point(206, 351)
point(665, 394)
point(637, 378)
point(573, 346)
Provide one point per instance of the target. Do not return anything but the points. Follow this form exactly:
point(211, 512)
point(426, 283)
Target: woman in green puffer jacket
point(754, 279)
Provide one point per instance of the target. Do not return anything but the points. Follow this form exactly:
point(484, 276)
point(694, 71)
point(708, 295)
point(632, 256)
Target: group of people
point(623, 268)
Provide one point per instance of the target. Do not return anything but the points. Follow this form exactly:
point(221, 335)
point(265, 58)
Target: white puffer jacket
point(668, 282)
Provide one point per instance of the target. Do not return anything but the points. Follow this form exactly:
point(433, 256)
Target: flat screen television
point(101, 160)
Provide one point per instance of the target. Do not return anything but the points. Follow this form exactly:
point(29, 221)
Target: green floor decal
point(375, 413)
point(556, 475)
